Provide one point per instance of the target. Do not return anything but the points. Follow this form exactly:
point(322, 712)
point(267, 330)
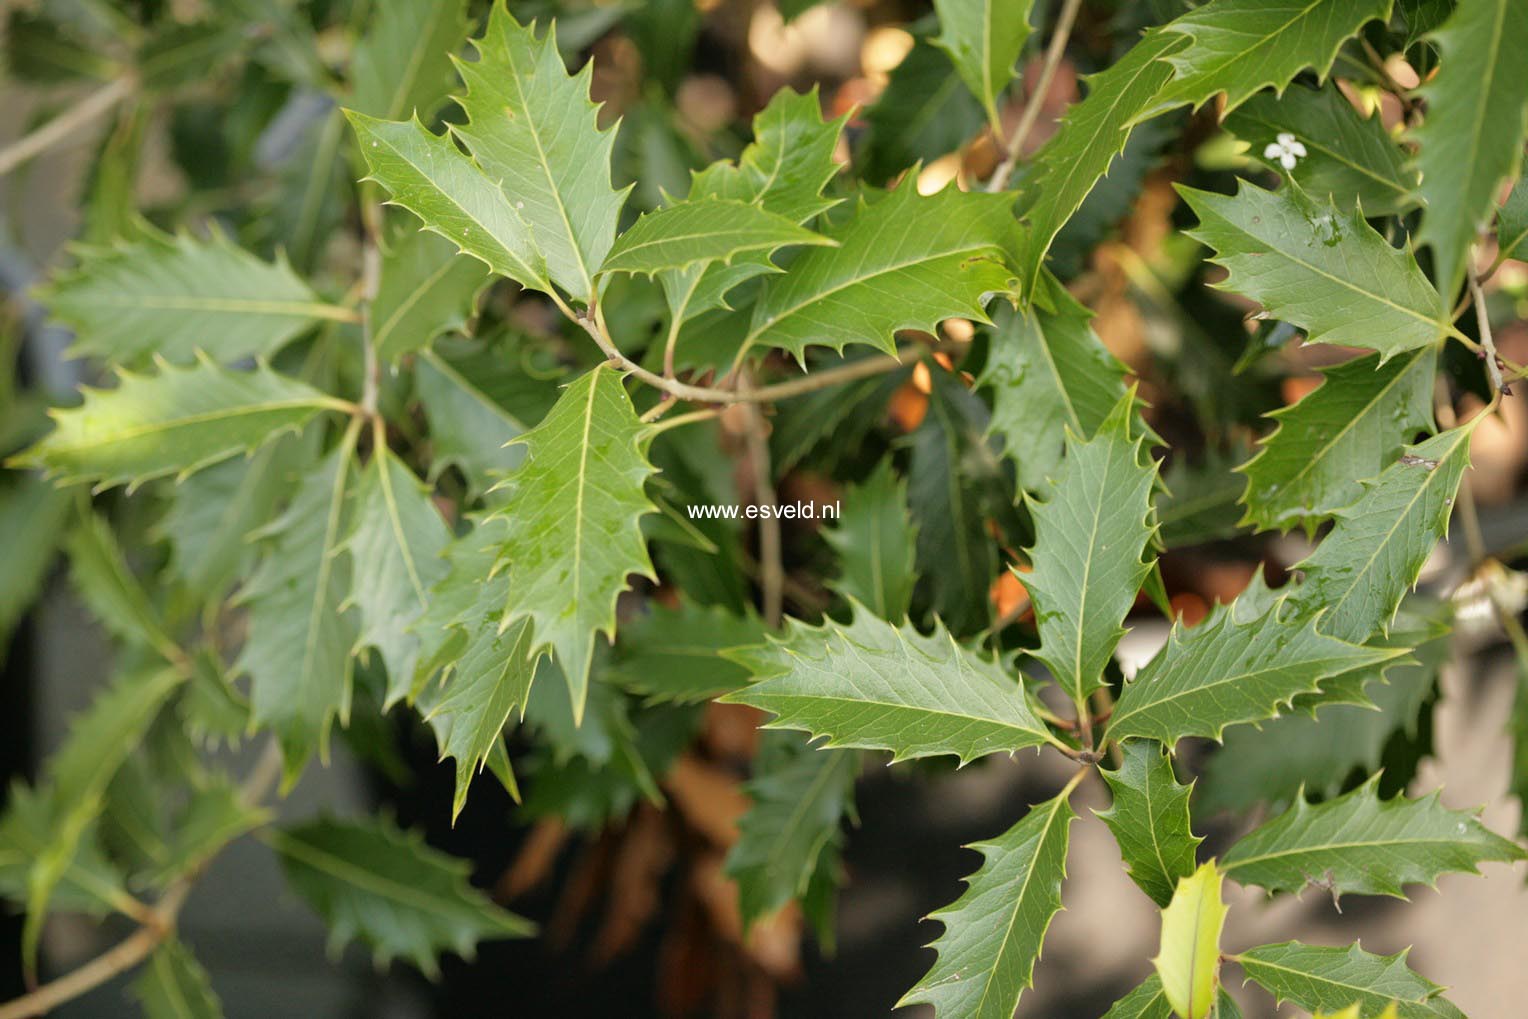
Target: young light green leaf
point(175, 422)
point(1239, 47)
point(875, 686)
point(1188, 961)
point(670, 655)
point(1320, 977)
point(424, 289)
point(532, 127)
point(176, 296)
point(1150, 820)
point(984, 39)
point(402, 65)
point(1226, 671)
point(1349, 156)
point(1320, 268)
point(1348, 429)
point(371, 881)
point(395, 557)
point(1363, 844)
point(875, 540)
point(298, 650)
point(468, 427)
point(1148, 1001)
point(575, 509)
point(173, 985)
point(452, 196)
point(1472, 137)
point(1363, 568)
point(993, 933)
point(691, 235)
point(1090, 535)
point(1047, 372)
point(800, 795)
point(902, 262)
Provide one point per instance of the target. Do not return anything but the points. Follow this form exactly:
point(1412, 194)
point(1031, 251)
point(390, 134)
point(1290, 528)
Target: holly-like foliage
point(450, 422)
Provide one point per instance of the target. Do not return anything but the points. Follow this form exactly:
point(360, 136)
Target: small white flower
point(1287, 150)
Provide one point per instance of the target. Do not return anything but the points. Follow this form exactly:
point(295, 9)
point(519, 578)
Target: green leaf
point(994, 931)
point(924, 112)
point(1321, 977)
point(176, 422)
point(1150, 820)
point(1348, 429)
point(395, 557)
point(402, 65)
point(32, 516)
point(693, 234)
point(1093, 132)
point(468, 427)
point(575, 509)
point(1090, 534)
point(1149, 1002)
point(532, 127)
point(984, 39)
point(173, 985)
point(1363, 844)
point(298, 650)
point(875, 540)
point(371, 881)
point(114, 595)
point(1372, 556)
point(1322, 269)
point(875, 686)
point(215, 815)
point(670, 655)
point(452, 196)
point(1047, 372)
point(176, 296)
point(1472, 137)
point(1512, 223)
point(902, 262)
point(800, 795)
point(1226, 671)
point(1348, 156)
point(90, 883)
point(425, 289)
point(1188, 961)
point(1239, 47)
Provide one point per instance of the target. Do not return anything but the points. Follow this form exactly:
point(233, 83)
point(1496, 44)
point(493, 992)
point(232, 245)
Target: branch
point(65, 124)
point(1031, 113)
point(1483, 323)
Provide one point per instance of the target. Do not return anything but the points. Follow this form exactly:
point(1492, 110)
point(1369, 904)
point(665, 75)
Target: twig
point(1483, 322)
point(771, 562)
point(1053, 54)
point(66, 123)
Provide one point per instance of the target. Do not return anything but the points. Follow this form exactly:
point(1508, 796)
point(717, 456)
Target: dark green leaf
point(1150, 820)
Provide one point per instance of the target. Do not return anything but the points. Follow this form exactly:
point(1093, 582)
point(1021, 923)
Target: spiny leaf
point(1348, 429)
point(691, 235)
point(1316, 976)
point(532, 127)
point(669, 655)
point(1349, 156)
point(371, 881)
point(872, 685)
point(875, 540)
point(993, 933)
point(984, 39)
point(1150, 820)
point(1366, 845)
point(468, 427)
point(175, 422)
point(425, 289)
point(575, 509)
point(1148, 1001)
point(90, 883)
point(1238, 47)
point(452, 196)
point(173, 985)
point(395, 557)
point(1363, 568)
point(1472, 137)
point(106, 584)
point(1047, 372)
point(298, 651)
point(402, 66)
point(800, 795)
point(215, 815)
point(33, 513)
point(1225, 671)
point(1320, 268)
point(176, 296)
point(1188, 961)
point(924, 112)
point(902, 262)
point(1090, 534)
